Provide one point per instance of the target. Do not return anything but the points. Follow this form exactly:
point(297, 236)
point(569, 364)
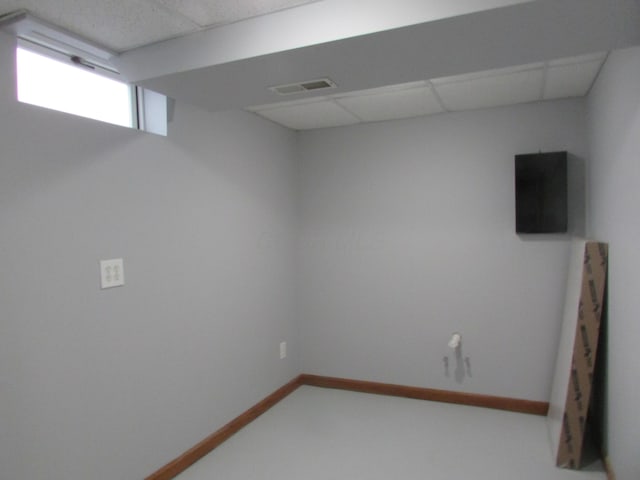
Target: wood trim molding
point(195, 453)
point(476, 400)
point(191, 456)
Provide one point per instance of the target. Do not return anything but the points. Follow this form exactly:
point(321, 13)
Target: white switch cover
point(111, 273)
point(283, 350)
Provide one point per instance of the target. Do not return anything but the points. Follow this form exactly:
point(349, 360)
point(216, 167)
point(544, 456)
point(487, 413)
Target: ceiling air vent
point(301, 87)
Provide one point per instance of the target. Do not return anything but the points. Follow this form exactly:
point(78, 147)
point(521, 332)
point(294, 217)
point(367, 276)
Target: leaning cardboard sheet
point(571, 389)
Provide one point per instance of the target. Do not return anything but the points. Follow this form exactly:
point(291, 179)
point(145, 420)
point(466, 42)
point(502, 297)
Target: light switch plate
point(111, 273)
point(283, 350)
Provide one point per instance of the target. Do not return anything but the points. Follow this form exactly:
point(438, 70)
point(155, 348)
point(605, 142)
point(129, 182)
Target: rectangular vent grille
point(301, 87)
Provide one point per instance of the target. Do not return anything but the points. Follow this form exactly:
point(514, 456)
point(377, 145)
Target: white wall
point(408, 234)
point(315, 23)
point(614, 179)
point(112, 384)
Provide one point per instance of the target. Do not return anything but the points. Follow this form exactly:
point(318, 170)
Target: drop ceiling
point(388, 59)
point(221, 69)
point(122, 25)
point(561, 78)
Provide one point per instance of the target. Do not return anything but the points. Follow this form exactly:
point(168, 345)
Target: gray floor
point(323, 434)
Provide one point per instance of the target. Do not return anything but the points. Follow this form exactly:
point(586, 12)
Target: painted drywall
point(311, 24)
point(614, 176)
point(112, 384)
point(537, 31)
point(408, 235)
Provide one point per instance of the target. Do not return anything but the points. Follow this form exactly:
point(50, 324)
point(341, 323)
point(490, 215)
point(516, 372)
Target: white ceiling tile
point(385, 89)
point(571, 80)
point(390, 105)
point(309, 115)
point(488, 73)
point(491, 91)
point(217, 12)
point(590, 57)
point(114, 24)
point(287, 103)
point(125, 24)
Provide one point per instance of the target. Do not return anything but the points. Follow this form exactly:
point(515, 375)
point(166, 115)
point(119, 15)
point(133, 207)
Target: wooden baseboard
point(476, 400)
point(191, 456)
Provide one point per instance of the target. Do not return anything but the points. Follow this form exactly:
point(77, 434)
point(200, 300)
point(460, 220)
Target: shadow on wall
point(599, 406)
point(462, 367)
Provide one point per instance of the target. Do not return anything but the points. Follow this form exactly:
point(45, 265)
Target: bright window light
point(49, 83)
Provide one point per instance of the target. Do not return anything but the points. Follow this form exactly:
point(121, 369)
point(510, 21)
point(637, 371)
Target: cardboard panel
point(571, 390)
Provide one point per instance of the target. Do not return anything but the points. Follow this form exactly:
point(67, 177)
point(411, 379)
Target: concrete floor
point(323, 434)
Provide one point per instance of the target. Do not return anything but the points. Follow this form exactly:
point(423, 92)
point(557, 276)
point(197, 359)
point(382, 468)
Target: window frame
point(95, 69)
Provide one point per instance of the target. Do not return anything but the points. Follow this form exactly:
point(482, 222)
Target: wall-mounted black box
point(541, 192)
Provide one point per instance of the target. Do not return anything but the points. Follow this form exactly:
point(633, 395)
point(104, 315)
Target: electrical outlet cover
point(111, 273)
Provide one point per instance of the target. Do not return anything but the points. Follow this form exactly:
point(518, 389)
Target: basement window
point(59, 82)
point(54, 84)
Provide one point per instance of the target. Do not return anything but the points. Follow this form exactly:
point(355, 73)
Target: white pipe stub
point(455, 340)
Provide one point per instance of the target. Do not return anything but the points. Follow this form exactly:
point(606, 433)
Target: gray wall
point(408, 234)
point(112, 384)
point(614, 180)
